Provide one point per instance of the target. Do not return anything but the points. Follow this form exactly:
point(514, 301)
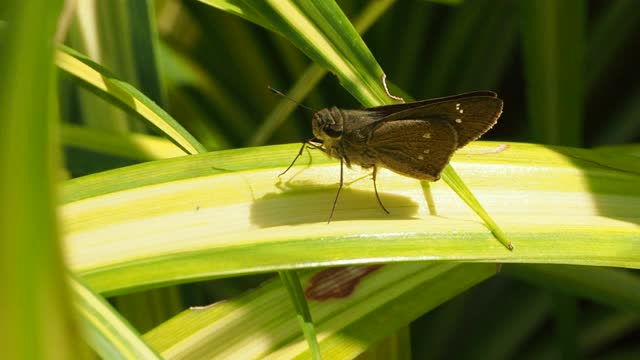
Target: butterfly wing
point(415, 148)
point(377, 113)
point(470, 116)
point(417, 139)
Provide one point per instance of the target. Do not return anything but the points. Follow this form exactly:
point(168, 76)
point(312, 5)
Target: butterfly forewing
point(386, 110)
point(470, 116)
point(475, 117)
point(415, 148)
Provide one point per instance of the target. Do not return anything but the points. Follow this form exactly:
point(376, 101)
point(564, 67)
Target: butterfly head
point(327, 124)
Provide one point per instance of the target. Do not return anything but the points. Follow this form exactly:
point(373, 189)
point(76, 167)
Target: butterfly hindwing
point(416, 148)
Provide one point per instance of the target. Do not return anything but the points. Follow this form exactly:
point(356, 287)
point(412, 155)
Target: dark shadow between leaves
point(303, 202)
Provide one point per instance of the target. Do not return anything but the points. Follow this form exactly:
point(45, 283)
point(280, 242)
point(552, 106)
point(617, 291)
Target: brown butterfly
point(415, 139)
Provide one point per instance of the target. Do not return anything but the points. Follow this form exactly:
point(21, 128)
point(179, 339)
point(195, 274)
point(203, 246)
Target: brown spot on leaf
point(338, 282)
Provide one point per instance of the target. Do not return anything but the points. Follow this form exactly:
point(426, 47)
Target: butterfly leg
point(309, 142)
point(375, 187)
point(335, 201)
point(295, 159)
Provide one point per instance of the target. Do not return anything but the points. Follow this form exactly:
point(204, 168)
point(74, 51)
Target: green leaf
point(381, 303)
point(291, 282)
point(99, 80)
point(227, 213)
point(133, 146)
point(111, 336)
point(456, 184)
point(554, 42)
point(37, 319)
point(323, 32)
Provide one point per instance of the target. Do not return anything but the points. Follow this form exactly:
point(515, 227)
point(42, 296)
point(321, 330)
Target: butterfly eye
point(332, 132)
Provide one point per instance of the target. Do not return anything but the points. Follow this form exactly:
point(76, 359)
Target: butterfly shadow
point(302, 202)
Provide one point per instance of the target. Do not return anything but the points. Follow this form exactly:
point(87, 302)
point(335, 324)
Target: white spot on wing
point(427, 135)
point(420, 157)
point(458, 121)
point(426, 151)
point(461, 111)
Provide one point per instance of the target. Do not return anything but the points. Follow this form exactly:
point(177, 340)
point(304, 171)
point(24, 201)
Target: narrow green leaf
point(133, 146)
point(239, 8)
point(291, 282)
point(143, 36)
point(108, 333)
point(99, 80)
point(36, 316)
point(456, 184)
point(553, 38)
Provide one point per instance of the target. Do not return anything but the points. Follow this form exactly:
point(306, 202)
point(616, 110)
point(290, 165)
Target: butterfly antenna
point(278, 92)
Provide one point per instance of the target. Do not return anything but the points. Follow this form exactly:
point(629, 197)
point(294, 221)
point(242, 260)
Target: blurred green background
point(567, 71)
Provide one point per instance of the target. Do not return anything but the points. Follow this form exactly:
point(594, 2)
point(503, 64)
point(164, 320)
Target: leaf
point(227, 213)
